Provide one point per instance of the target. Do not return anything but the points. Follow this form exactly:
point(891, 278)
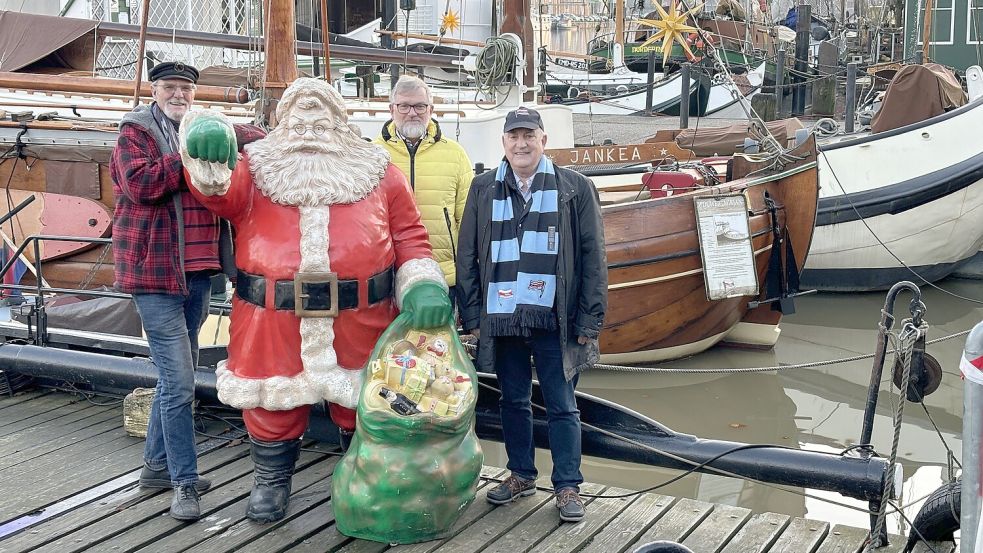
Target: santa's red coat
point(364, 238)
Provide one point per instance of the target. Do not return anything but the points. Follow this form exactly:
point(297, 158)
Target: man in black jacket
point(532, 283)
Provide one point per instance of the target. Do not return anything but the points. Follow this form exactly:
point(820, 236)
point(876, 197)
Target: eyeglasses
point(318, 130)
point(419, 108)
point(172, 88)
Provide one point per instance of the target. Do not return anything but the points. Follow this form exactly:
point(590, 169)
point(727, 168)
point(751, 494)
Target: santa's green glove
point(212, 140)
point(428, 305)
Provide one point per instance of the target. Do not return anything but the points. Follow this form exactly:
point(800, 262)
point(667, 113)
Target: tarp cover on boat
point(725, 141)
point(64, 43)
point(916, 93)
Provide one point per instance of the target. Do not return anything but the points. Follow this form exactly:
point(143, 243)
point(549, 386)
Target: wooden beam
point(461, 42)
point(98, 85)
point(141, 50)
point(326, 40)
point(281, 65)
point(619, 22)
point(926, 30)
point(517, 20)
point(619, 154)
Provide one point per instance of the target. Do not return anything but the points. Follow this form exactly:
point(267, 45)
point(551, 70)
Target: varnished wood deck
point(68, 476)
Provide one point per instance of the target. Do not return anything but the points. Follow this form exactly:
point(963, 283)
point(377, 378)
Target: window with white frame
point(943, 21)
point(974, 21)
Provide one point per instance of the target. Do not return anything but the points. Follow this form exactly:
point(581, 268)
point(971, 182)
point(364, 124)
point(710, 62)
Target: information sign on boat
point(725, 245)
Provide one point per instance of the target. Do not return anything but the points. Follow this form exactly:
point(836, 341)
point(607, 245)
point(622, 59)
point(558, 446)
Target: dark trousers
point(514, 369)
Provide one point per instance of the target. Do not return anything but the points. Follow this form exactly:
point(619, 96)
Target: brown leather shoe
point(570, 505)
point(511, 489)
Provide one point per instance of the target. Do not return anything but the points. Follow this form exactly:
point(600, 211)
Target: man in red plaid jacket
point(166, 247)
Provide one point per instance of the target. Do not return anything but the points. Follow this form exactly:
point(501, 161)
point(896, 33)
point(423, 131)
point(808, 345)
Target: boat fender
point(939, 516)
point(663, 546)
point(801, 135)
point(974, 82)
point(573, 92)
point(750, 146)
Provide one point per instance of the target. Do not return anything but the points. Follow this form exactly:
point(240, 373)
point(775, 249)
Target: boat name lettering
point(612, 154)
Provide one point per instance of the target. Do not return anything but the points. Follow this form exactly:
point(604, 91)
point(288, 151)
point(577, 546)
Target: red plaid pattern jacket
point(146, 246)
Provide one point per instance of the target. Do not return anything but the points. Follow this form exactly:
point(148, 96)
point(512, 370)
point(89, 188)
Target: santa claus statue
point(329, 249)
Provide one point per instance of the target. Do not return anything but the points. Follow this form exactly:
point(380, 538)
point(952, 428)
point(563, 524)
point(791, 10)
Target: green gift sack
point(413, 464)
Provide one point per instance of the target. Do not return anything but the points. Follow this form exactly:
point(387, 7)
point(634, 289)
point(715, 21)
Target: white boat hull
point(907, 198)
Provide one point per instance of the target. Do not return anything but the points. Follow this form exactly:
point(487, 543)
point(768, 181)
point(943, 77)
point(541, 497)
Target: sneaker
point(162, 479)
point(184, 505)
point(570, 505)
point(511, 489)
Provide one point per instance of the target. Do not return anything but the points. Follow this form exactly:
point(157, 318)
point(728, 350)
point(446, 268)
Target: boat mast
point(618, 53)
point(517, 21)
point(326, 40)
point(280, 33)
point(141, 50)
point(926, 30)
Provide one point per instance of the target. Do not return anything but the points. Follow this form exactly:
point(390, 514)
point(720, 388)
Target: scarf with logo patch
point(522, 287)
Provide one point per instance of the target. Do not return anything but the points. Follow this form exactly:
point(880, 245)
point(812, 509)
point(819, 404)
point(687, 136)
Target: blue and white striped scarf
point(522, 287)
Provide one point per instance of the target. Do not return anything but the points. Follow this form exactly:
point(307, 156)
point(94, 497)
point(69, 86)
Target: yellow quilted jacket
point(440, 173)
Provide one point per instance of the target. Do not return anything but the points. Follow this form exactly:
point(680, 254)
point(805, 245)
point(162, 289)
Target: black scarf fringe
point(521, 323)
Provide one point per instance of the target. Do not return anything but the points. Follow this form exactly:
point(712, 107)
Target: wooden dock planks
point(83, 475)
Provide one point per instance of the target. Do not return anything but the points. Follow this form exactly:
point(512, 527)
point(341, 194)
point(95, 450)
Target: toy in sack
point(413, 465)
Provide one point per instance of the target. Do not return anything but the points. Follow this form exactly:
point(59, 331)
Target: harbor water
point(819, 408)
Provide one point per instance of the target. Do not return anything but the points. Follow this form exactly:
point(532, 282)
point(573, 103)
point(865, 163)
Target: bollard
point(779, 83)
point(650, 90)
point(851, 96)
point(971, 366)
point(803, 26)
point(684, 96)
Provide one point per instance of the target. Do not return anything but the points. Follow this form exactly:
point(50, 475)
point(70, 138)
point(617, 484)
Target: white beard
point(336, 168)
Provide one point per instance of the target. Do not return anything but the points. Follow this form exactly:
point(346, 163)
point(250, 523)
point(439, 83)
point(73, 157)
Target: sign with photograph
point(725, 246)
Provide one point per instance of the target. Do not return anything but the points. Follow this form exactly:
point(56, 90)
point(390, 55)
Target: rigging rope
point(471, 347)
point(908, 336)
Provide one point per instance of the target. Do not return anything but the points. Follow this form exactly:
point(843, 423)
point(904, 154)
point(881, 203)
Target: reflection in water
point(818, 409)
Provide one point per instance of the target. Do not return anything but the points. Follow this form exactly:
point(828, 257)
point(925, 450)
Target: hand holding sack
point(414, 462)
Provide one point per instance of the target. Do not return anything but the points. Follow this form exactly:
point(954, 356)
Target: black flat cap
point(523, 118)
point(173, 70)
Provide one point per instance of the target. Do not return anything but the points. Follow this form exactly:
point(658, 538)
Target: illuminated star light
point(450, 22)
point(671, 28)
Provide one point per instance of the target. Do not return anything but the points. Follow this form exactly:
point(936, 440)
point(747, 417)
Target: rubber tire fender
point(939, 516)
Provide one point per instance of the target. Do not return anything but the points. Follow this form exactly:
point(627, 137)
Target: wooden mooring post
point(684, 96)
point(851, 97)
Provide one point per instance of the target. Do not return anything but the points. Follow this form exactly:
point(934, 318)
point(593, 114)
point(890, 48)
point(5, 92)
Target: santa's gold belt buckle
point(310, 287)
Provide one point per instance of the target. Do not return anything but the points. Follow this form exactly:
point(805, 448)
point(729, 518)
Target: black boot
point(274, 466)
point(345, 438)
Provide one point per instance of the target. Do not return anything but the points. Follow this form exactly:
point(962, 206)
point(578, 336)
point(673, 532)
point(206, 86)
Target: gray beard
point(412, 131)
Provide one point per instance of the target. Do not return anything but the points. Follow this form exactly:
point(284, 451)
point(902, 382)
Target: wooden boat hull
point(85, 153)
point(657, 304)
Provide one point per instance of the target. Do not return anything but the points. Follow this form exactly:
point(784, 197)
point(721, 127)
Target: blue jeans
point(512, 364)
point(172, 322)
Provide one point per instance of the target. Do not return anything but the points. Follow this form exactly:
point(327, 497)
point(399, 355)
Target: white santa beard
point(338, 169)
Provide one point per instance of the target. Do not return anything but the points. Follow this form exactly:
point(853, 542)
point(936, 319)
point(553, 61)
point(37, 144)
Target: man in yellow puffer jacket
point(437, 168)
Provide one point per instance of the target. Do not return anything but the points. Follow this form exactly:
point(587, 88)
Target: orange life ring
point(695, 42)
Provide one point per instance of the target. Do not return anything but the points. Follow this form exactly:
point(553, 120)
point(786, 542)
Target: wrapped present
point(427, 404)
point(416, 385)
point(400, 367)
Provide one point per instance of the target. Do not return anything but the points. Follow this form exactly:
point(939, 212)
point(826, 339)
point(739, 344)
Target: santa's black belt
point(314, 294)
